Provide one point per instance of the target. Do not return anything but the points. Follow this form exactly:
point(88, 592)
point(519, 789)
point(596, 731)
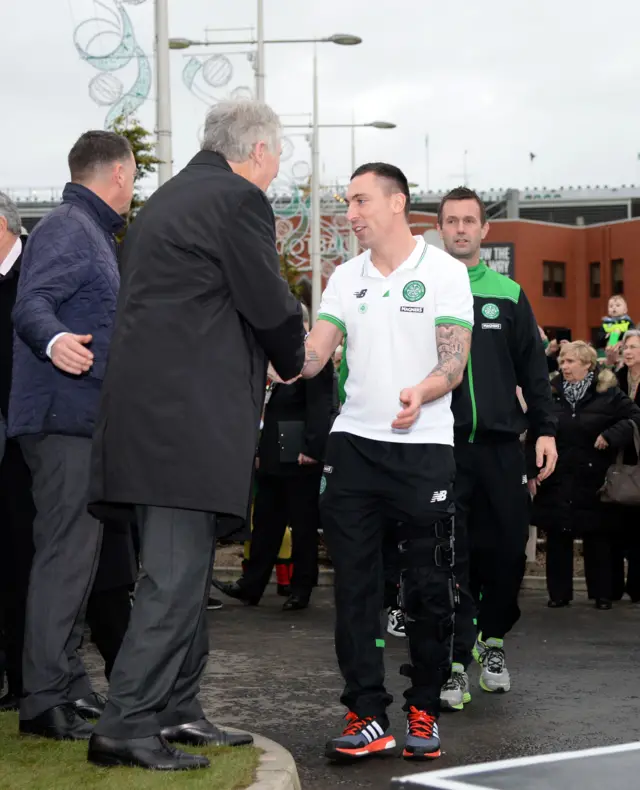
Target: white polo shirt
point(389, 325)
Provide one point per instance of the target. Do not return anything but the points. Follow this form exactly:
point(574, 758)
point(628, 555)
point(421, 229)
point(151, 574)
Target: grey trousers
point(67, 544)
point(156, 677)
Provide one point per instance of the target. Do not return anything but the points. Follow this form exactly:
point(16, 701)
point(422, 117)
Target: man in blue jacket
point(63, 318)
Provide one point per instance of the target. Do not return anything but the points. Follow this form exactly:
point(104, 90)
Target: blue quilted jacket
point(69, 283)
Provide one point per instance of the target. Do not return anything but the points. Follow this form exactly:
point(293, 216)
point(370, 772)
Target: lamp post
point(163, 91)
point(260, 54)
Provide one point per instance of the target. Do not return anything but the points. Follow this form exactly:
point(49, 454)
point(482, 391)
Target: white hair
point(9, 211)
point(233, 128)
point(629, 334)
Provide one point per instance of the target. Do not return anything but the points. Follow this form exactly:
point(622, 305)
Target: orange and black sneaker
point(423, 741)
point(360, 738)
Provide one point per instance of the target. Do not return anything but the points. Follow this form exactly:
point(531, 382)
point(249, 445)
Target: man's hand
point(411, 399)
point(546, 457)
point(601, 443)
point(70, 355)
point(532, 485)
point(271, 373)
point(305, 460)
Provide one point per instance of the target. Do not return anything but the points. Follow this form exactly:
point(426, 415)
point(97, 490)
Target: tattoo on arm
point(453, 343)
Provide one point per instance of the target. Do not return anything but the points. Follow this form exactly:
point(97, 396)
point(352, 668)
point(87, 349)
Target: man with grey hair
point(202, 310)
point(16, 502)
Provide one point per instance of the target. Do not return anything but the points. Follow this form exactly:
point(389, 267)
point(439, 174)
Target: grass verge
point(28, 763)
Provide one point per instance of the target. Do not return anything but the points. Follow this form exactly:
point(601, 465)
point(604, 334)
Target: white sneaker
point(455, 693)
point(494, 677)
point(395, 623)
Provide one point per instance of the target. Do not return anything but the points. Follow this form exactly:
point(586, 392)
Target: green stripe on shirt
point(333, 320)
point(447, 319)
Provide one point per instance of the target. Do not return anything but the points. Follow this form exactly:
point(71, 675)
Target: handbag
point(622, 481)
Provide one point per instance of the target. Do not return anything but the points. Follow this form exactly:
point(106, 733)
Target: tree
point(143, 148)
point(290, 274)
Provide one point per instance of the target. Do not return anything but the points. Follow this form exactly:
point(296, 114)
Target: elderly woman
point(593, 417)
point(627, 540)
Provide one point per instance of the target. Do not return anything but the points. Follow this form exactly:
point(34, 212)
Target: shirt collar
point(478, 271)
point(412, 262)
point(12, 257)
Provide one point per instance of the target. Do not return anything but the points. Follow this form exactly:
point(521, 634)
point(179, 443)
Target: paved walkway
point(576, 684)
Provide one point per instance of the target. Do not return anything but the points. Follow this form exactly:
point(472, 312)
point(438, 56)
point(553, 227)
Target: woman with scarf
point(593, 416)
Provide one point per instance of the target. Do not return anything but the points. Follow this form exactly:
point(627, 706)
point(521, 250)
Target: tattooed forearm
point(319, 346)
point(453, 343)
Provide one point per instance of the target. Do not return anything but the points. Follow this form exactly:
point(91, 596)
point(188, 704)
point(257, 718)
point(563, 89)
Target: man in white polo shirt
point(405, 312)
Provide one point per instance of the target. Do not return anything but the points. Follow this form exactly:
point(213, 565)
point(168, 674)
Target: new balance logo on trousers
point(439, 496)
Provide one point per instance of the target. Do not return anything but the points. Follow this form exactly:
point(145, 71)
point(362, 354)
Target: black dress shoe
point(91, 707)
point(9, 702)
point(153, 753)
point(237, 591)
point(62, 723)
point(603, 603)
point(295, 602)
point(557, 604)
point(204, 733)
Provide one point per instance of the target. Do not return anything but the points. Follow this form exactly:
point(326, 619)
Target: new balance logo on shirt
point(360, 294)
point(439, 496)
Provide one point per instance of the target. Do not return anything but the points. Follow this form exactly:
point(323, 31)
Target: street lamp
point(164, 43)
point(343, 39)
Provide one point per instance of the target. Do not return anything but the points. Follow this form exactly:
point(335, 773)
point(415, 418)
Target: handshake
point(310, 358)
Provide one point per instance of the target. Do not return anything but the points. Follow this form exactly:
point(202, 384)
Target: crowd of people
point(134, 394)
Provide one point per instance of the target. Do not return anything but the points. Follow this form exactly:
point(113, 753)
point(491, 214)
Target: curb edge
point(277, 769)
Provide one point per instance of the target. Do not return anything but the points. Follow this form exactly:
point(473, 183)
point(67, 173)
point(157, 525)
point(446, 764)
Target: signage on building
point(500, 257)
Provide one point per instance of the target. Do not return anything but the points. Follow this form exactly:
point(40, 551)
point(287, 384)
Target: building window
point(617, 276)
point(553, 278)
point(594, 280)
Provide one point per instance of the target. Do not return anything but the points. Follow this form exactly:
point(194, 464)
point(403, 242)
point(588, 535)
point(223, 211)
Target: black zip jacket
point(506, 352)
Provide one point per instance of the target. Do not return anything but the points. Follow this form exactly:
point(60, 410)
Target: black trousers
point(108, 616)
point(17, 513)
point(283, 501)
point(367, 484)
point(67, 547)
point(492, 528)
point(156, 676)
point(626, 544)
point(598, 571)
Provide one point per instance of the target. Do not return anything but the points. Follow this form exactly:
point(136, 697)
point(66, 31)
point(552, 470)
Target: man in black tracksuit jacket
point(492, 499)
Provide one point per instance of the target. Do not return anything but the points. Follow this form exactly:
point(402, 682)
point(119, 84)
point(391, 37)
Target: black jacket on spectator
point(569, 500)
point(311, 401)
point(202, 308)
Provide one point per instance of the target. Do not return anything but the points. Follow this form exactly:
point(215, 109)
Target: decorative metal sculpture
point(108, 43)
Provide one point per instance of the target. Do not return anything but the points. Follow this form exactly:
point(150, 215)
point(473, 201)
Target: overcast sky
point(555, 77)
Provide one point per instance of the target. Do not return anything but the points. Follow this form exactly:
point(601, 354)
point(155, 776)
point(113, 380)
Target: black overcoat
point(202, 307)
point(568, 500)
